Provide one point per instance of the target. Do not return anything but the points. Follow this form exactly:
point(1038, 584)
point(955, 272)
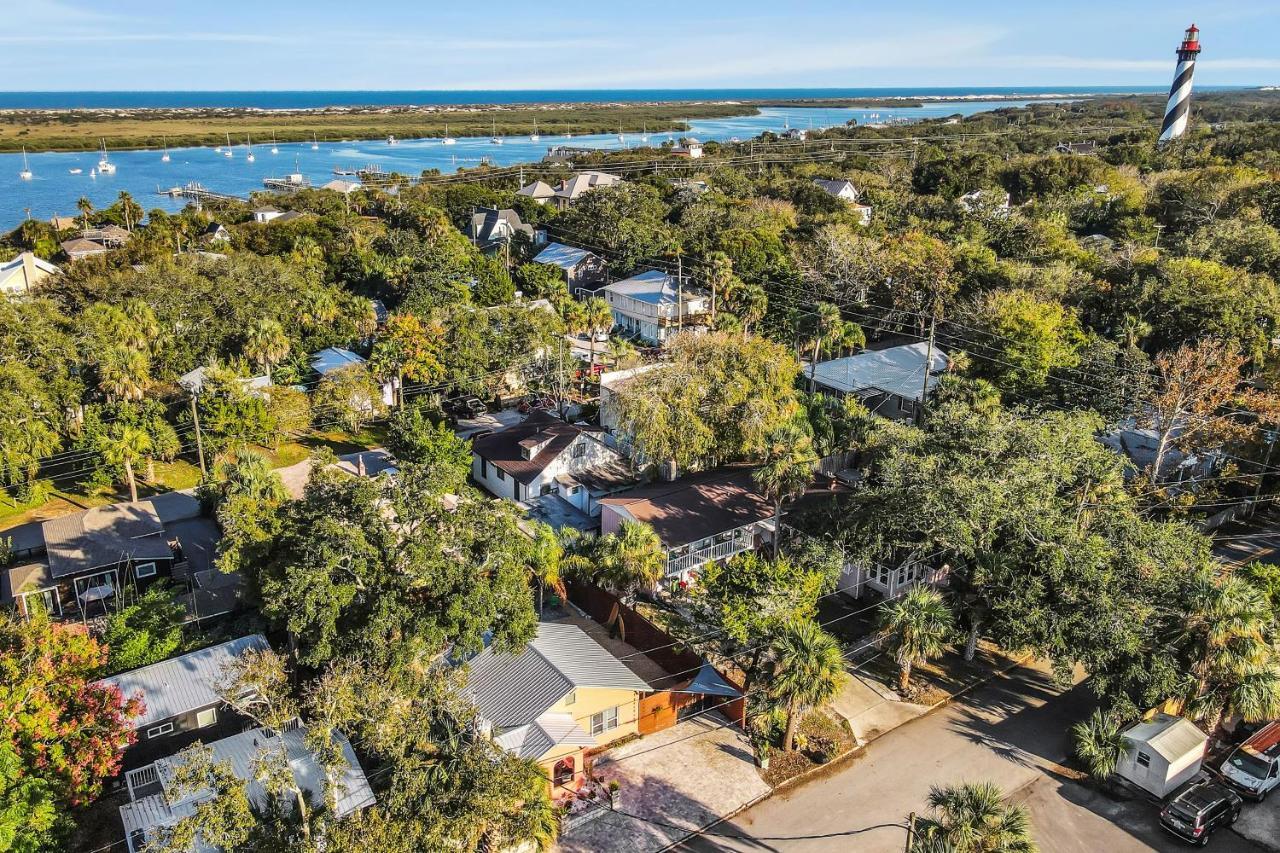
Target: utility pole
point(928, 362)
point(679, 292)
point(911, 832)
point(195, 418)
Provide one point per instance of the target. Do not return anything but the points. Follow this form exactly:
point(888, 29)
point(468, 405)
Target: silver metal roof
point(533, 740)
point(897, 370)
point(240, 752)
point(515, 690)
point(183, 684)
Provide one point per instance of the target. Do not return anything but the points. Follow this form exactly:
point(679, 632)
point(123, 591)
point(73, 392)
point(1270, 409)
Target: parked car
point(466, 407)
point(1201, 808)
point(1253, 767)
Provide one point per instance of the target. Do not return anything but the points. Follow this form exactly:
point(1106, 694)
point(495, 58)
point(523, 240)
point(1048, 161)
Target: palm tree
point(809, 671)
point(1235, 665)
point(85, 207)
point(751, 305)
point(597, 317)
point(826, 322)
point(787, 471)
point(631, 559)
point(249, 474)
point(122, 373)
point(141, 328)
point(266, 344)
point(317, 307)
point(1099, 743)
point(131, 210)
point(916, 627)
point(973, 818)
point(720, 279)
point(124, 445)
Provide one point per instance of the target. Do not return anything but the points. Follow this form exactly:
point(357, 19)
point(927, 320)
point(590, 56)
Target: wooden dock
point(199, 193)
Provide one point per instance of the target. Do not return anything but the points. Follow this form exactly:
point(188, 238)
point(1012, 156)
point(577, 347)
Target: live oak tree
point(716, 399)
point(355, 563)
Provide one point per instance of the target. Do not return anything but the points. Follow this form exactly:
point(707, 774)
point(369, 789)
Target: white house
point(569, 191)
point(652, 306)
point(328, 360)
point(690, 148)
point(155, 802)
point(1163, 752)
point(339, 185)
point(266, 214)
point(795, 133)
point(611, 383)
point(24, 272)
point(544, 456)
point(890, 382)
point(846, 192)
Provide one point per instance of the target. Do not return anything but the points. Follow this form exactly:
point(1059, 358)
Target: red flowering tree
point(64, 730)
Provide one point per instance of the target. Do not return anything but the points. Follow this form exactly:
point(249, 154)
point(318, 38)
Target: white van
point(1253, 767)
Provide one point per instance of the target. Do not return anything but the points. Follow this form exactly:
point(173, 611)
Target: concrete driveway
point(1013, 731)
point(673, 783)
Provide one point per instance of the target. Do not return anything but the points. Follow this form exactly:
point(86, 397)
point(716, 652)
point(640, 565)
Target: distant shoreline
point(139, 128)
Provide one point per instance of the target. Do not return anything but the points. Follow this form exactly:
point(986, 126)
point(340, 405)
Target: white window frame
point(138, 569)
point(206, 717)
point(43, 595)
point(604, 721)
point(160, 730)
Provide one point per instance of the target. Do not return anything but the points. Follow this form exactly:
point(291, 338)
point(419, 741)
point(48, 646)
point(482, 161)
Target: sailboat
point(164, 158)
point(448, 140)
point(391, 139)
point(621, 138)
point(25, 174)
point(248, 143)
point(567, 134)
point(93, 173)
point(534, 137)
point(227, 152)
point(495, 139)
point(76, 171)
point(644, 133)
point(105, 166)
point(315, 146)
point(275, 149)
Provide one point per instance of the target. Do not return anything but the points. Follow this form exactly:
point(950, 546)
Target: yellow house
point(561, 697)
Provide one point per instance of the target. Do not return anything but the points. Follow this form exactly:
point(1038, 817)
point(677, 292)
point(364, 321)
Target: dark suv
point(1201, 808)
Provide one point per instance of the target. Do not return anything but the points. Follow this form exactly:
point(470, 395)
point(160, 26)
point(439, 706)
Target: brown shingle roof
point(104, 536)
point(503, 448)
point(696, 506)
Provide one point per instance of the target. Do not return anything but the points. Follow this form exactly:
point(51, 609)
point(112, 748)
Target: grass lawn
point(942, 677)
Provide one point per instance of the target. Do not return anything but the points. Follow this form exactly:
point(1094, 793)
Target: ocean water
point(288, 100)
point(53, 190)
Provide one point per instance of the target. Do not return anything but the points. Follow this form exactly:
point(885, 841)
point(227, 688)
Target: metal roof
point(533, 740)
point(560, 255)
point(515, 690)
point(1171, 737)
point(334, 358)
point(183, 684)
point(104, 536)
point(240, 752)
point(897, 370)
point(655, 287)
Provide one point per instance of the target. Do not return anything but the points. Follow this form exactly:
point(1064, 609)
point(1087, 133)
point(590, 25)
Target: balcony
point(722, 547)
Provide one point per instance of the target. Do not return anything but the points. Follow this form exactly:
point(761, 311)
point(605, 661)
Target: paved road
point(1012, 732)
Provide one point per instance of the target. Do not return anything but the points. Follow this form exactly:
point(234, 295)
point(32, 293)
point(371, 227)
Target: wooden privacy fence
point(660, 709)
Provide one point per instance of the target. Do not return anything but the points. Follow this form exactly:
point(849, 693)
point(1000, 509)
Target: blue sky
point(399, 44)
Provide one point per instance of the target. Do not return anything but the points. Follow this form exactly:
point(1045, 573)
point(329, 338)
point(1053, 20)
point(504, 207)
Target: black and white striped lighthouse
point(1178, 109)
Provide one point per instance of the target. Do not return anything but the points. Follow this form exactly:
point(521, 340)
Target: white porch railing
point(744, 539)
point(140, 778)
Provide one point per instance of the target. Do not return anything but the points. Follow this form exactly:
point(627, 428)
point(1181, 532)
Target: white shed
point(1164, 751)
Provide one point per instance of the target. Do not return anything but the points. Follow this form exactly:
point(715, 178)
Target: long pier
point(199, 193)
